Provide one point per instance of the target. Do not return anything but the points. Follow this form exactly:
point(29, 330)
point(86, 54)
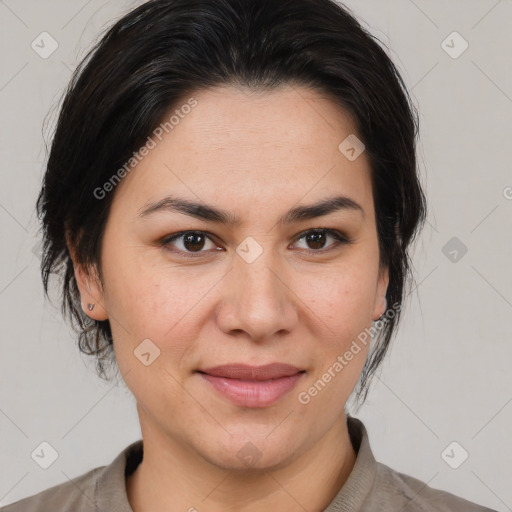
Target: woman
point(231, 196)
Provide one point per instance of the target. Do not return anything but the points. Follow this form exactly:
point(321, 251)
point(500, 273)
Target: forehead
point(237, 145)
point(290, 116)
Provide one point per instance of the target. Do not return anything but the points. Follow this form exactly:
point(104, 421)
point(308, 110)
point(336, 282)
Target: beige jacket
point(371, 487)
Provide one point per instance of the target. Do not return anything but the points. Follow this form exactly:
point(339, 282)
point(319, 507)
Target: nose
point(257, 299)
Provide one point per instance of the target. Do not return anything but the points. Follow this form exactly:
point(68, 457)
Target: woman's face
point(253, 293)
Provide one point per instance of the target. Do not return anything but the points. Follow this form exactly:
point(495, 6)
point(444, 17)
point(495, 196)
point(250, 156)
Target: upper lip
point(247, 372)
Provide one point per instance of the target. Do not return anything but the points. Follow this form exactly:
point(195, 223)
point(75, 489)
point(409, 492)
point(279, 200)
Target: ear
point(380, 303)
point(89, 285)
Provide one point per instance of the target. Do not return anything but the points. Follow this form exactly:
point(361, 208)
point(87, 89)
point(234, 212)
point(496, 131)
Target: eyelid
point(341, 238)
point(330, 231)
point(165, 242)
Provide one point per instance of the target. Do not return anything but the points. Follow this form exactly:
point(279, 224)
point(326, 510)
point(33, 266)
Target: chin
point(252, 453)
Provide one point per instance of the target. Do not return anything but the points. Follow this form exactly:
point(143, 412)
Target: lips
point(252, 373)
point(252, 386)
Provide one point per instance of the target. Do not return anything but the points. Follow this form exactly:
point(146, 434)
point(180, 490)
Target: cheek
point(162, 303)
point(342, 297)
point(342, 302)
point(159, 306)
point(342, 309)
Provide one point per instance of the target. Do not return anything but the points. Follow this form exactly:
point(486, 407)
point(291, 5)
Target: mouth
point(252, 386)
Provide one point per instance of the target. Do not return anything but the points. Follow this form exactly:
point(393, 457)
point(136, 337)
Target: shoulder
point(393, 490)
point(77, 494)
point(102, 488)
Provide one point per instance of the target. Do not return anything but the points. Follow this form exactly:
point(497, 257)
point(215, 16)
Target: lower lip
point(253, 393)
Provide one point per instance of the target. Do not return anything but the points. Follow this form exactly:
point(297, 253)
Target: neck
point(171, 477)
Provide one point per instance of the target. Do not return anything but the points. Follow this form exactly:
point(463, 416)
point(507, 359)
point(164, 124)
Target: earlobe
point(99, 314)
point(91, 292)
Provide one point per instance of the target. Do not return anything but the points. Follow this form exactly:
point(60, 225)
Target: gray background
point(448, 375)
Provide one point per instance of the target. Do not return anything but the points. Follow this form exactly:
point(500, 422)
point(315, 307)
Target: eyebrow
point(210, 213)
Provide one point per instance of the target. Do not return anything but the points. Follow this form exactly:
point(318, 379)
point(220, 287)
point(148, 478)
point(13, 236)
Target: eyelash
point(340, 238)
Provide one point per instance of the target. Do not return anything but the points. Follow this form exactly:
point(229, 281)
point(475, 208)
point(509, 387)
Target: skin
point(256, 155)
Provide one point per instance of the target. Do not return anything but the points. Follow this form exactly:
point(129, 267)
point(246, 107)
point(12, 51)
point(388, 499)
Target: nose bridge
point(257, 267)
point(261, 300)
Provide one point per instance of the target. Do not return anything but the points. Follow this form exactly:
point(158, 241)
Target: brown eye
point(316, 239)
point(193, 241)
point(190, 242)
